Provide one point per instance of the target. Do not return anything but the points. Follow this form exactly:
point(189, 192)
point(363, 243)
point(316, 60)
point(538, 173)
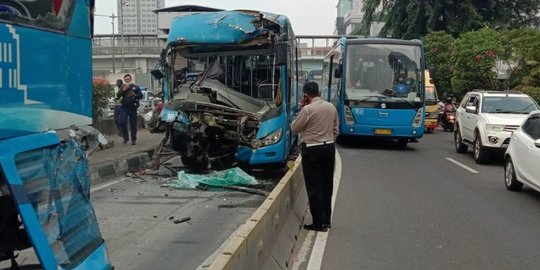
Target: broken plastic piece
point(231, 177)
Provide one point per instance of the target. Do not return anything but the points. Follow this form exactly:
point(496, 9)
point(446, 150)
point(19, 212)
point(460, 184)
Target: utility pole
point(113, 49)
point(122, 3)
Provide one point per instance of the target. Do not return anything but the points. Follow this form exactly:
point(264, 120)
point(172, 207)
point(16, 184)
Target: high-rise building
point(137, 16)
point(350, 14)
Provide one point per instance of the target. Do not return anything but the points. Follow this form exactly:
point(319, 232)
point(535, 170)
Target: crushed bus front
point(236, 111)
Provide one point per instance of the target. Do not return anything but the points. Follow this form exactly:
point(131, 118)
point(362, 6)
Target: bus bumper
point(265, 155)
point(380, 131)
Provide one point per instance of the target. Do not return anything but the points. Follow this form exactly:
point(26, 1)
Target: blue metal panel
point(380, 117)
point(45, 81)
point(369, 130)
point(10, 148)
point(80, 22)
point(225, 27)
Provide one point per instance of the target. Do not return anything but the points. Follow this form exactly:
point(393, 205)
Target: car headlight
point(496, 128)
point(272, 138)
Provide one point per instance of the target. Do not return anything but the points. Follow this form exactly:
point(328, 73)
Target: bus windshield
point(391, 72)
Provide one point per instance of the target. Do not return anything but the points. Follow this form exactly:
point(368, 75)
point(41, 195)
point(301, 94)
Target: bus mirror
point(337, 72)
point(156, 74)
point(281, 53)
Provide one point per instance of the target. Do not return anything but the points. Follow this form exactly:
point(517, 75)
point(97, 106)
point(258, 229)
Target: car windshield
point(506, 104)
point(390, 71)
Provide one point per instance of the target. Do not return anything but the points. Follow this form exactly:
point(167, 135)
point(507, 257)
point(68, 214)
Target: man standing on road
point(130, 95)
point(318, 124)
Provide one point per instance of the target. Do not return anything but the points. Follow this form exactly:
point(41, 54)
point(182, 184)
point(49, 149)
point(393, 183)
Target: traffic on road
point(435, 129)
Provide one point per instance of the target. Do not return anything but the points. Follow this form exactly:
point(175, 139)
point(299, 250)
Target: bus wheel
point(402, 142)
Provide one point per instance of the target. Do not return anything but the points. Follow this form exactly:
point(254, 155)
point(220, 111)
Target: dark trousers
point(131, 115)
point(318, 167)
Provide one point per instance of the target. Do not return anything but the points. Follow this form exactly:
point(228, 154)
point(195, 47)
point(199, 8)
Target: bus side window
point(43, 14)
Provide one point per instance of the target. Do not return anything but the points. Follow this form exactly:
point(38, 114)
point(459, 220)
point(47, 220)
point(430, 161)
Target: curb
point(103, 171)
point(266, 240)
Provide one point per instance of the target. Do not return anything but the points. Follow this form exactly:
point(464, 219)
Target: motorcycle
point(448, 120)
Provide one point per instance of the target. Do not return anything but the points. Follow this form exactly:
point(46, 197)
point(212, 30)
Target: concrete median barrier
point(266, 240)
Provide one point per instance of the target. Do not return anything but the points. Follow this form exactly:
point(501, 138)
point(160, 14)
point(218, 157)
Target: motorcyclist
point(449, 107)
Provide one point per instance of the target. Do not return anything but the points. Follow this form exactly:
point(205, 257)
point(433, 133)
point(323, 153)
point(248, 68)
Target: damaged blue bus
point(377, 85)
point(45, 91)
point(239, 108)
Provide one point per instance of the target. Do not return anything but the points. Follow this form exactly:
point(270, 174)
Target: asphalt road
point(414, 209)
point(137, 219)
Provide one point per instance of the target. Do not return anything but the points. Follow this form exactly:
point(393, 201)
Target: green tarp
point(231, 177)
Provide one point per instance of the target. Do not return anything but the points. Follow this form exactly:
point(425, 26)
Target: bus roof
point(225, 27)
point(414, 42)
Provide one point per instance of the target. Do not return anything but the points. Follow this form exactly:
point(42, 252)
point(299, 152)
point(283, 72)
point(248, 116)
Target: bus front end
point(382, 89)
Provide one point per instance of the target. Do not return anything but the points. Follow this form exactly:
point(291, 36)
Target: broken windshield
point(57, 183)
point(246, 82)
point(38, 13)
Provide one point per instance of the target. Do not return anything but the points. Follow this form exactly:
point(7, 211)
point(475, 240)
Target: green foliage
point(474, 58)
point(523, 47)
point(534, 92)
point(415, 18)
point(438, 51)
point(102, 90)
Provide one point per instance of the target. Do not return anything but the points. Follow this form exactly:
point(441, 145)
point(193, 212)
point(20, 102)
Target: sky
point(308, 17)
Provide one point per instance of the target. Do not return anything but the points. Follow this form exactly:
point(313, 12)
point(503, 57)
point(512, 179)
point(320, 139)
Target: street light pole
point(113, 49)
point(122, 3)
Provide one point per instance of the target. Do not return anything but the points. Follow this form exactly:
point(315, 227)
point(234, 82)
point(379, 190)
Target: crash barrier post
point(266, 240)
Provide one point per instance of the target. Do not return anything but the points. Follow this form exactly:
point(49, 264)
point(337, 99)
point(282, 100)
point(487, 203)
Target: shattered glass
point(231, 177)
point(40, 13)
point(57, 182)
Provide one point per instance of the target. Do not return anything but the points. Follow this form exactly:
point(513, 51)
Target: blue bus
point(239, 109)
point(377, 86)
point(46, 87)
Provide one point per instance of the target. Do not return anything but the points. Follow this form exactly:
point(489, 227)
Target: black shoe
point(133, 143)
point(315, 227)
point(327, 226)
point(125, 141)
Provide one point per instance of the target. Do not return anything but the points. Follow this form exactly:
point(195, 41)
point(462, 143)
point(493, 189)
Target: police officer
point(130, 94)
point(318, 124)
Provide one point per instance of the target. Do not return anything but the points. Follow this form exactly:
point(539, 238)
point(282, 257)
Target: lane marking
point(462, 165)
point(315, 259)
point(106, 185)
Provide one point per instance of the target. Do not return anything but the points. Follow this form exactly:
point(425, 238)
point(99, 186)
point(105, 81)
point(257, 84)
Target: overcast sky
point(308, 17)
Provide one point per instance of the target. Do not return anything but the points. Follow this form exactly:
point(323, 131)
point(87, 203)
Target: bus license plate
point(379, 131)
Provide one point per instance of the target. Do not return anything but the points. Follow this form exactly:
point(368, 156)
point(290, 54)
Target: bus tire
point(402, 142)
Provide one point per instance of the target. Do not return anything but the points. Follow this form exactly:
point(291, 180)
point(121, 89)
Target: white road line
point(315, 260)
point(106, 185)
point(462, 165)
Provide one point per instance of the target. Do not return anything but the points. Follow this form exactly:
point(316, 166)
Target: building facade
point(138, 17)
point(350, 14)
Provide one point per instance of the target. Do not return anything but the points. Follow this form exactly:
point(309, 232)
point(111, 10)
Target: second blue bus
point(377, 86)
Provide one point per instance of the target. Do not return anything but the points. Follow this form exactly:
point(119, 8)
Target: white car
point(486, 120)
point(522, 159)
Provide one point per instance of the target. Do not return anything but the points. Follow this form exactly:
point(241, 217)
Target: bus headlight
point(272, 138)
point(417, 121)
point(349, 119)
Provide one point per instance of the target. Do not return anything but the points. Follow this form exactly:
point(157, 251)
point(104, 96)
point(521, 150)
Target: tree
point(415, 18)
point(523, 60)
point(439, 47)
point(475, 56)
point(102, 90)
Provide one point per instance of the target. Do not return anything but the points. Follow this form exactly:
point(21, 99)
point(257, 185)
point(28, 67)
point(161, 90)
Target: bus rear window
point(49, 14)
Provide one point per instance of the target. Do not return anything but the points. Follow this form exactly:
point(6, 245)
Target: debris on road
point(178, 221)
